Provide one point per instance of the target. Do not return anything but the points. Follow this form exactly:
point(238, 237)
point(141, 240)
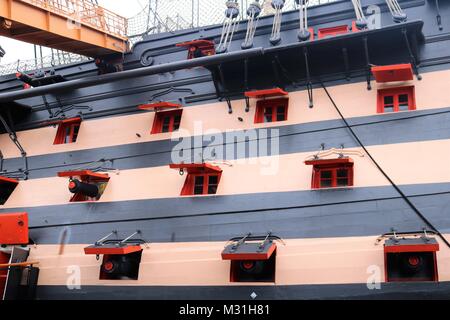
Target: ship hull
point(329, 241)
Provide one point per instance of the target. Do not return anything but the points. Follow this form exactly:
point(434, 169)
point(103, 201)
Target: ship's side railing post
point(413, 52)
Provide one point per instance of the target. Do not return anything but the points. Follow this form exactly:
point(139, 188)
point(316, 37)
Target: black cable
point(400, 192)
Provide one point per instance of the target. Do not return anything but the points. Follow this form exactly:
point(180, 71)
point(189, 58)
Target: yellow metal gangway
point(77, 26)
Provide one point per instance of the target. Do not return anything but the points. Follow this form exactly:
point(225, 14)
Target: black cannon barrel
point(146, 71)
point(86, 189)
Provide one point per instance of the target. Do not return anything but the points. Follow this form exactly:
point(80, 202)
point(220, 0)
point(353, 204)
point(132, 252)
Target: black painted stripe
point(393, 128)
point(162, 47)
point(412, 290)
point(301, 214)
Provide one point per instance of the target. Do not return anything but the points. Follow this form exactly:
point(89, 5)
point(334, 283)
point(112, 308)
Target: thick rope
point(229, 26)
point(397, 13)
point(361, 21)
point(388, 178)
point(276, 27)
point(253, 13)
point(304, 33)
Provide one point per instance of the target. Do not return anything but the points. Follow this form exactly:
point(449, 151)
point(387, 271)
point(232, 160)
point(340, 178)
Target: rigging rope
point(229, 26)
point(361, 21)
point(276, 27)
point(399, 191)
point(303, 34)
point(13, 136)
point(253, 13)
point(397, 13)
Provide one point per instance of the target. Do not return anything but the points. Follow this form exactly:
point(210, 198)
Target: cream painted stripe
point(407, 163)
point(299, 261)
point(354, 100)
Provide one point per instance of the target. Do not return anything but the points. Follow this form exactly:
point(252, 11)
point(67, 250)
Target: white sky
point(20, 50)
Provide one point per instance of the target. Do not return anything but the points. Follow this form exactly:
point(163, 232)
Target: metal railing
point(85, 12)
point(45, 62)
point(173, 15)
point(158, 16)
